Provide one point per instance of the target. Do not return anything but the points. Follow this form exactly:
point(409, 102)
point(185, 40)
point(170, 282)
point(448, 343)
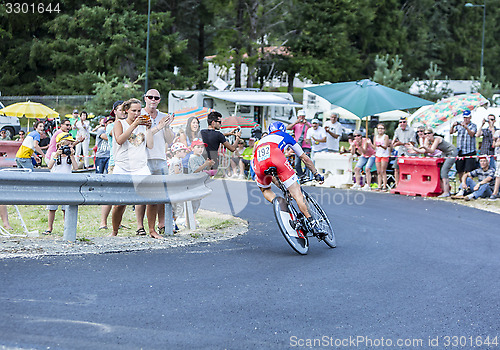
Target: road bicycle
point(292, 222)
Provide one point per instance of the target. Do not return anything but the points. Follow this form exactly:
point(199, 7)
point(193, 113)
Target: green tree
point(485, 87)
point(391, 77)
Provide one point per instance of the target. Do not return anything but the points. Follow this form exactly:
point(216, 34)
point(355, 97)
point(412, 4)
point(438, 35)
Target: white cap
point(315, 121)
point(301, 112)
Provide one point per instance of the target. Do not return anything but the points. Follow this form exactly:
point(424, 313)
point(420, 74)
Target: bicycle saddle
point(271, 171)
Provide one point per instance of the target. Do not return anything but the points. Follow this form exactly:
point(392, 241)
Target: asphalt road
point(407, 271)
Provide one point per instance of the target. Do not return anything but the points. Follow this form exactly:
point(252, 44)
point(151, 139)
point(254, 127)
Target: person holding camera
point(466, 144)
point(213, 137)
point(488, 133)
point(61, 161)
point(300, 127)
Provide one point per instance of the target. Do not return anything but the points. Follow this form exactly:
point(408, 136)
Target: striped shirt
point(487, 142)
point(465, 142)
point(483, 174)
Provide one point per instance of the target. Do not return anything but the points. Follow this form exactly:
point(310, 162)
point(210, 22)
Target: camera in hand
point(66, 150)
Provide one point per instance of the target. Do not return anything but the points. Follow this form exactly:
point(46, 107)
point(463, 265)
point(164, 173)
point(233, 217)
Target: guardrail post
point(70, 222)
point(190, 221)
point(169, 219)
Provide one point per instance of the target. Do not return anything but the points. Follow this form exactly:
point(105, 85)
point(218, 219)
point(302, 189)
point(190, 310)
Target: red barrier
point(419, 176)
point(8, 150)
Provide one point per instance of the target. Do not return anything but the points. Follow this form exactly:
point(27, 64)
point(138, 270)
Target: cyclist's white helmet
point(277, 126)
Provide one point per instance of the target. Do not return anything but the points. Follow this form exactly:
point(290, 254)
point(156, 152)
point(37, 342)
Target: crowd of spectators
point(138, 140)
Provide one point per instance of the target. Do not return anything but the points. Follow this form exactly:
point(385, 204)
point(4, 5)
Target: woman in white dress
point(131, 137)
point(82, 126)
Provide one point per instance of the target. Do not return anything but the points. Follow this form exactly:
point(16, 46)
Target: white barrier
point(336, 167)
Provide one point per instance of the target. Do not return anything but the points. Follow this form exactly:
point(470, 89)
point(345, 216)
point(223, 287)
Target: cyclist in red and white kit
point(269, 153)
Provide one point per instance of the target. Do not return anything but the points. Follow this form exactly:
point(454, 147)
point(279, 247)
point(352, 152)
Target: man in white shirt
point(316, 136)
point(157, 160)
point(333, 132)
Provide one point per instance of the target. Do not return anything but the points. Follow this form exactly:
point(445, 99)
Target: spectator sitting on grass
point(484, 188)
point(61, 162)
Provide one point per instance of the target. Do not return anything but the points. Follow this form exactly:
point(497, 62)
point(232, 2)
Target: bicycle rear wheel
point(324, 223)
point(285, 217)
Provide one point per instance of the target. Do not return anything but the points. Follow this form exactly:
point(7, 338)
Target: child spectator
point(197, 164)
point(196, 161)
point(175, 167)
point(61, 161)
point(102, 153)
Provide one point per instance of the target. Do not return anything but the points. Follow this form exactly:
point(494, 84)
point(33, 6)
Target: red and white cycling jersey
point(269, 153)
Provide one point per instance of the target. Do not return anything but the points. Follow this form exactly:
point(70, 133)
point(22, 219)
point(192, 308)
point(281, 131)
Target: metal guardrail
point(37, 188)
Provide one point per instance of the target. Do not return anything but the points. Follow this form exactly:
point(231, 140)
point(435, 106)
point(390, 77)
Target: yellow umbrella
point(29, 110)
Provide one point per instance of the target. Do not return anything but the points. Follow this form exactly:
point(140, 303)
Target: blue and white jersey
point(282, 140)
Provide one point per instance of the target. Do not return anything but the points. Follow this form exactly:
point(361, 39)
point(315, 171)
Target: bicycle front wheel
point(286, 220)
point(324, 223)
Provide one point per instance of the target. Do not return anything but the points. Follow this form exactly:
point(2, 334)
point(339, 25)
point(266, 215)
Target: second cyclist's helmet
point(277, 126)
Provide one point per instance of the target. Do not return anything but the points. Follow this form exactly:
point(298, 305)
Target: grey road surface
point(408, 273)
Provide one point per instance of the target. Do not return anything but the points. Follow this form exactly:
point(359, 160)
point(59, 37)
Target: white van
point(262, 107)
point(11, 125)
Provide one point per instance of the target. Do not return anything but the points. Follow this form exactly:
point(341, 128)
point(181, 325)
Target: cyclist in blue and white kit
point(269, 153)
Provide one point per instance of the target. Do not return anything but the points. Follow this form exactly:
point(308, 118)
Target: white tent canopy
point(253, 98)
point(383, 117)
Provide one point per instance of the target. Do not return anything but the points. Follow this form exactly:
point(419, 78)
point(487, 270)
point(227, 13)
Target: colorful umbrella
point(234, 122)
point(29, 110)
point(182, 116)
point(449, 108)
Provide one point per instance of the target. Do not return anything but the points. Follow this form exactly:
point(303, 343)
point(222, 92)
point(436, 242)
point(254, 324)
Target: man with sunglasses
point(157, 159)
point(403, 135)
point(65, 126)
point(214, 138)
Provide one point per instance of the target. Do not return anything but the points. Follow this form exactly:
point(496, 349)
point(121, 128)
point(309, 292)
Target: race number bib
point(263, 153)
